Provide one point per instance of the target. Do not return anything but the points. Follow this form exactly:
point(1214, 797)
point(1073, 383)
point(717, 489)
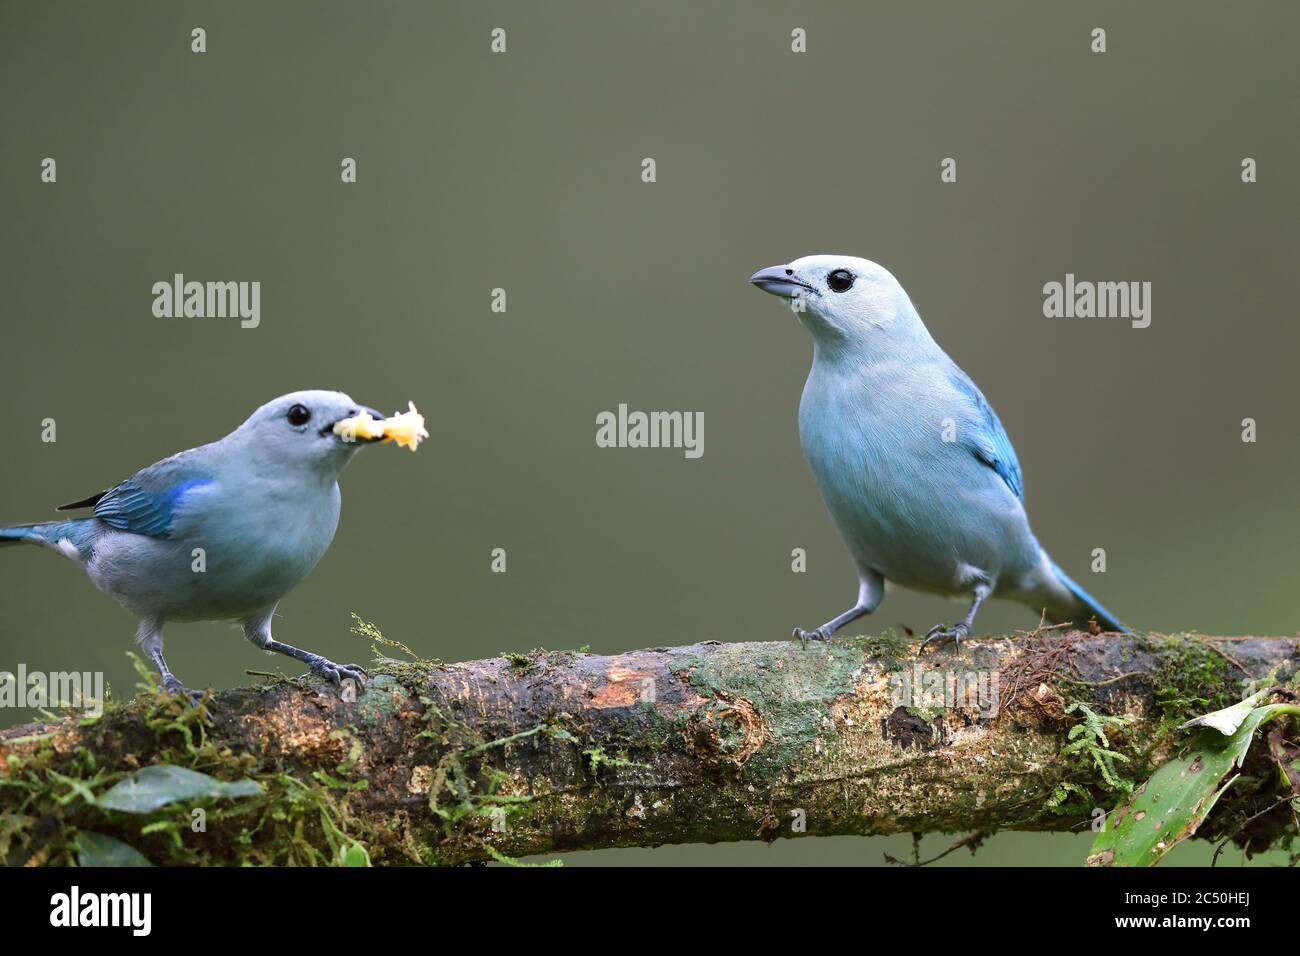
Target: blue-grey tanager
point(220, 532)
point(915, 468)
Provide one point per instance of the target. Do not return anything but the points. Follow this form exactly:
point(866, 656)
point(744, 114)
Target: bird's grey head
point(297, 431)
point(844, 300)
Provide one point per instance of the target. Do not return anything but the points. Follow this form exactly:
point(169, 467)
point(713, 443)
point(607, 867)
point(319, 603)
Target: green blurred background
point(522, 171)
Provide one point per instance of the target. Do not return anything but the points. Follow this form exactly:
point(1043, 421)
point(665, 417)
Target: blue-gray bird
point(914, 466)
point(221, 532)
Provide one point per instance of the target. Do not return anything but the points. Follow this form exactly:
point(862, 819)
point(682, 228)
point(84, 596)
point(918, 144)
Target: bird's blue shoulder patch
point(136, 507)
point(990, 444)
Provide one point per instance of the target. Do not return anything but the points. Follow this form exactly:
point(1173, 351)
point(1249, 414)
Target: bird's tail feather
point(47, 533)
point(18, 533)
point(1093, 607)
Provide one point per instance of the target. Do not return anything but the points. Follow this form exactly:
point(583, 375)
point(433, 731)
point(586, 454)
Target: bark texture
point(709, 742)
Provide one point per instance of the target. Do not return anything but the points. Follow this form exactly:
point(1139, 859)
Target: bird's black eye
point(299, 415)
point(841, 280)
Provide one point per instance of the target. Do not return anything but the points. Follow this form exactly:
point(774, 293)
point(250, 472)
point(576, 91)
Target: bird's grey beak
point(780, 280)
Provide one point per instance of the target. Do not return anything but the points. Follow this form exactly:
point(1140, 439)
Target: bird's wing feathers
point(989, 440)
point(146, 502)
point(128, 507)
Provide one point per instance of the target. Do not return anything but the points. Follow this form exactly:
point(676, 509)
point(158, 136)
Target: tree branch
point(704, 743)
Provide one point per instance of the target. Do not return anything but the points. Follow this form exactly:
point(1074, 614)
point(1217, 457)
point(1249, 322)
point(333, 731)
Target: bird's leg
point(258, 630)
point(824, 632)
point(149, 637)
point(941, 634)
point(871, 589)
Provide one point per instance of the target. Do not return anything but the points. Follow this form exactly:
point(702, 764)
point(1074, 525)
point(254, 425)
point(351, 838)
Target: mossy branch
point(555, 751)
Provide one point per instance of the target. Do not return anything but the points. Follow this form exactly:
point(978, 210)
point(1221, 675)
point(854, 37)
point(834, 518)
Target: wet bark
point(702, 743)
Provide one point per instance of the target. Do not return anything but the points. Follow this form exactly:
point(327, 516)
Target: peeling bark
point(703, 743)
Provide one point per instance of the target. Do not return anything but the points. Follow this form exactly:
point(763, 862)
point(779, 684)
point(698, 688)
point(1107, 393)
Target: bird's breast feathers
point(891, 455)
point(262, 515)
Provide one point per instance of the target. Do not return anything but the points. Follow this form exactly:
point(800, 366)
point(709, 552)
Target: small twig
point(501, 742)
point(1043, 627)
point(971, 840)
point(276, 677)
point(1245, 823)
point(1108, 680)
point(1224, 654)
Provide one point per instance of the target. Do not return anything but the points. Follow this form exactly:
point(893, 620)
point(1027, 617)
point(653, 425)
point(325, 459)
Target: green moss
point(790, 689)
point(929, 714)
point(597, 757)
point(1191, 679)
point(889, 649)
point(519, 661)
point(411, 670)
point(1187, 677)
point(48, 797)
point(539, 657)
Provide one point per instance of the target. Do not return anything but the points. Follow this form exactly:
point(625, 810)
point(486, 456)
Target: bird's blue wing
point(146, 502)
point(990, 443)
point(128, 507)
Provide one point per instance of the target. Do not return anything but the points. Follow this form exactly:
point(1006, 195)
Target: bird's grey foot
point(337, 673)
point(173, 686)
point(822, 633)
point(171, 683)
point(942, 634)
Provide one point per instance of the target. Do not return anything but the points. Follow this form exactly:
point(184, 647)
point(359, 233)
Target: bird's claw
point(942, 634)
point(336, 674)
point(822, 633)
point(174, 686)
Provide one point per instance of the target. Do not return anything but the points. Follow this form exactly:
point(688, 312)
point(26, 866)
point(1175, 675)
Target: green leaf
point(1169, 807)
point(354, 855)
point(161, 784)
point(95, 849)
point(1227, 721)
